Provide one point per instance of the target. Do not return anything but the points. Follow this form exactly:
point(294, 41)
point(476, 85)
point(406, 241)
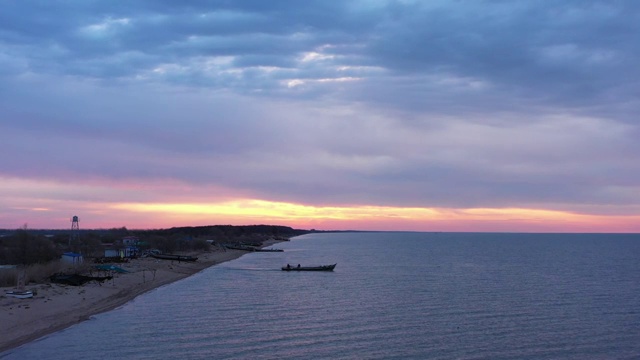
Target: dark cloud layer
point(571, 54)
point(400, 103)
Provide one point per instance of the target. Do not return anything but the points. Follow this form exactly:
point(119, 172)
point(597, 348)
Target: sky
point(505, 116)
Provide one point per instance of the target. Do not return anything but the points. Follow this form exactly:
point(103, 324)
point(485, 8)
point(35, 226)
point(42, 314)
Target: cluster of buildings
point(128, 247)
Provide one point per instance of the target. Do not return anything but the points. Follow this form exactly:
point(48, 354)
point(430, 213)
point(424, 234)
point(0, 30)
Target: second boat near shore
point(174, 257)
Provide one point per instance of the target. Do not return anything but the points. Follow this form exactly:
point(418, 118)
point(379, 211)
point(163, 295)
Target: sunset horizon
point(146, 216)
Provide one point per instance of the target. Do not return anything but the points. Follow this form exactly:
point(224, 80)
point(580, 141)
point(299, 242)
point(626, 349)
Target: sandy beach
point(55, 307)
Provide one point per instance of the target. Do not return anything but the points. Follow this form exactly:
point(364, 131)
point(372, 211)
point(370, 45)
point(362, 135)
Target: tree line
point(27, 247)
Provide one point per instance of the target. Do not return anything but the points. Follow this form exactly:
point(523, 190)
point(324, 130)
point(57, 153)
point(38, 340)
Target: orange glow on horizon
point(378, 217)
point(50, 205)
point(285, 211)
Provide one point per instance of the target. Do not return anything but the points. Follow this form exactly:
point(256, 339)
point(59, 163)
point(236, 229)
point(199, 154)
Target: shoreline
point(55, 307)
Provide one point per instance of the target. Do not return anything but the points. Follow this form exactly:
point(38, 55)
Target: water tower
point(75, 230)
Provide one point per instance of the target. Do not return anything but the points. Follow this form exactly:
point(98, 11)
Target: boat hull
point(174, 257)
point(19, 294)
point(309, 268)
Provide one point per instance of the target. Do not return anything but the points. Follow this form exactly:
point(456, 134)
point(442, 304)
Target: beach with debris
point(55, 307)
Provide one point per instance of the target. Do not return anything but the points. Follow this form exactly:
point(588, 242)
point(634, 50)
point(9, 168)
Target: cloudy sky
point(369, 114)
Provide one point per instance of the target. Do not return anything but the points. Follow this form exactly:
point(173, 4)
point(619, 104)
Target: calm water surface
point(392, 296)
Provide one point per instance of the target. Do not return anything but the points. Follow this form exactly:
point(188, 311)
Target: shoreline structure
point(55, 307)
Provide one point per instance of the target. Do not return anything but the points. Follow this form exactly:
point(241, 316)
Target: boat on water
point(19, 294)
point(309, 268)
point(174, 257)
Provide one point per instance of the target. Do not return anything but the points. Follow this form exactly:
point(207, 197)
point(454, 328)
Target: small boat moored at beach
point(19, 294)
point(288, 267)
point(255, 248)
point(174, 257)
point(240, 247)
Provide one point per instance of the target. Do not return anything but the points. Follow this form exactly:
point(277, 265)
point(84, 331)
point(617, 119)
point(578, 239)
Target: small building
point(72, 258)
point(130, 240)
point(122, 252)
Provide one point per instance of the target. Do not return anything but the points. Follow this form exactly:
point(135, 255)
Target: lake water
point(391, 296)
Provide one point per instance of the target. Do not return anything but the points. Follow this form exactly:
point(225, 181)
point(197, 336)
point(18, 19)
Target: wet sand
point(55, 307)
